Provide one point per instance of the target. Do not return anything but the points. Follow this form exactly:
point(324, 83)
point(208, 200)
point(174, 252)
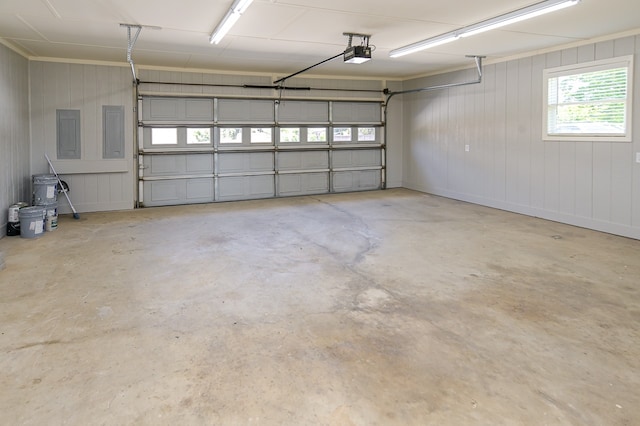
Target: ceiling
point(281, 37)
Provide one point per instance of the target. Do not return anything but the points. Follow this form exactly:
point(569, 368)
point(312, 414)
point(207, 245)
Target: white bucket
point(13, 223)
point(51, 216)
point(51, 223)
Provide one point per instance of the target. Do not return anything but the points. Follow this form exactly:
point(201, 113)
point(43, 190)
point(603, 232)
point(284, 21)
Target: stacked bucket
point(45, 200)
point(31, 222)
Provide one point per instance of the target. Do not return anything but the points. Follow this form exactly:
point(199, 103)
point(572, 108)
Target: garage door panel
point(177, 109)
point(162, 109)
point(199, 109)
point(303, 160)
point(304, 111)
point(230, 188)
point(303, 184)
point(178, 164)
point(261, 186)
point(359, 180)
point(199, 163)
point(245, 187)
point(163, 193)
point(245, 110)
point(162, 165)
point(165, 190)
point(245, 162)
point(290, 161)
point(261, 161)
point(230, 163)
point(199, 190)
point(178, 191)
point(357, 158)
point(357, 112)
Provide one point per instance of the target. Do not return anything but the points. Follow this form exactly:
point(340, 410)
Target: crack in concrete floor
point(390, 307)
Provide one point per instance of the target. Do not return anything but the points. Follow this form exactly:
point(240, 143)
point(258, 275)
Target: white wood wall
point(395, 128)
point(508, 165)
point(96, 184)
point(14, 132)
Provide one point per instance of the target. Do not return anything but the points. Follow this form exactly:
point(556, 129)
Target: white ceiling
point(284, 36)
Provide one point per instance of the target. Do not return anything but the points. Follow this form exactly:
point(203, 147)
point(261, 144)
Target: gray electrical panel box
point(68, 133)
point(112, 131)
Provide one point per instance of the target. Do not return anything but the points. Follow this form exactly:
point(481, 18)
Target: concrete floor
point(377, 308)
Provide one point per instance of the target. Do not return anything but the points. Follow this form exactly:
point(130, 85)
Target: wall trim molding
point(17, 49)
point(567, 219)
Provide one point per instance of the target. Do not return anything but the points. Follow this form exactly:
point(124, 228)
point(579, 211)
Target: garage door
point(201, 150)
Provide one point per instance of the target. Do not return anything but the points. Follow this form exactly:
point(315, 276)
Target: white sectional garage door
point(201, 150)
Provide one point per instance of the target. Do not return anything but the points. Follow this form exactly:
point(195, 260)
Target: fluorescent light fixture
point(424, 44)
point(239, 6)
point(489, 24)
point(517, 16)
point(237, 9)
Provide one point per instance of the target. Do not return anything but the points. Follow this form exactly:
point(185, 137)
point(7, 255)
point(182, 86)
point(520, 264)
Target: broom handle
point(64, 190)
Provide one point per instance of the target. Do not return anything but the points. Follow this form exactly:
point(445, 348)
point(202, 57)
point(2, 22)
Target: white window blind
point(589, 101)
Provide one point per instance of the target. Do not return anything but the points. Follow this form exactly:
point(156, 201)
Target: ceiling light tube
point(516, 16)
point(499, 21)
point(237, 9)
point(241, 5)
point(424, 44)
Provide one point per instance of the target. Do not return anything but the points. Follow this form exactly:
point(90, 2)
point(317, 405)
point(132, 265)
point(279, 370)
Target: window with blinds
point(589, 101)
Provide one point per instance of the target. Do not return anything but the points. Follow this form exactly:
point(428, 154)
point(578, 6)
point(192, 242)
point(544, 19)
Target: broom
point(64, 188)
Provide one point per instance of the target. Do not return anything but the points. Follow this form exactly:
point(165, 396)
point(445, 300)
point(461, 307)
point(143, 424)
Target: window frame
point(583, 68)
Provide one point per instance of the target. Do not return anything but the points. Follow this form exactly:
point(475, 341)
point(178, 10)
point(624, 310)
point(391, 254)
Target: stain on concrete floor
point(378, 308)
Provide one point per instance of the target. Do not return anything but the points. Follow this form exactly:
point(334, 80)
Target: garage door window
point(261, 135)
point(231, 135)
point(316, 134)
point(199, 136)
point(164, 136)
point(342, 134)
point(290, 134)
point(366, 134)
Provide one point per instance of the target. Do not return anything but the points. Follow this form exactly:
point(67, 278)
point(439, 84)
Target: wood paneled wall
point(96, 184)
point(14, 132)
point(508, 165)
